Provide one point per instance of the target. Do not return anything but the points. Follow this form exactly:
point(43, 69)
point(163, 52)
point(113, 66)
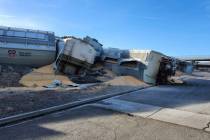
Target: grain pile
point(126, 81)
point(179, 73)
point(45, 69)
point(43, 77)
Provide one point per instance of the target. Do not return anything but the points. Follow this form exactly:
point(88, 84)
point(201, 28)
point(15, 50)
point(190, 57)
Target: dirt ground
point(11, 74)
point(15, 98)
point(16, 102)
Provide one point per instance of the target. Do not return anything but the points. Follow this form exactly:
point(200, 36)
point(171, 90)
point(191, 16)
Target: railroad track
point(38, 113)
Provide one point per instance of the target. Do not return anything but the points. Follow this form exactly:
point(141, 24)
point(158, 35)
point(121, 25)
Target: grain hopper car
point(74, 53)
point(26, 47)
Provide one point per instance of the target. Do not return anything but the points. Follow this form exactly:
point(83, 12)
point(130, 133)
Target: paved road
point(91, 122)
point(187, 105)
point(194, 96)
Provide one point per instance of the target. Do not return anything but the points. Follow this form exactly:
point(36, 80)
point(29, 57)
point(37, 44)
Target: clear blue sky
point(174, 27)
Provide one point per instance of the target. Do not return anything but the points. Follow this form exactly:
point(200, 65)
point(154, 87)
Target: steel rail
point(38, 113)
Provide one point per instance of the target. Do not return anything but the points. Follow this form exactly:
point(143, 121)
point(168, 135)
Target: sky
point(173, 27)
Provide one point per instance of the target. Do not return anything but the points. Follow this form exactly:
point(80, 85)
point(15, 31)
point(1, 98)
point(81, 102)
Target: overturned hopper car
point(26, 47)
point(74, 53)
point(158, 66)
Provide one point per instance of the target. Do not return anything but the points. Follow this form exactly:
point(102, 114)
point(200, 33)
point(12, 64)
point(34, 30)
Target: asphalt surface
point(90, 122)
point(193, 96)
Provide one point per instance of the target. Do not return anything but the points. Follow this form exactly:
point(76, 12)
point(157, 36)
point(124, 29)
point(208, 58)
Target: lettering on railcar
point(24, 53)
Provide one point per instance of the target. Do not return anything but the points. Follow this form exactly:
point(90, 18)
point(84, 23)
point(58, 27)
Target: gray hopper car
point(26, 47)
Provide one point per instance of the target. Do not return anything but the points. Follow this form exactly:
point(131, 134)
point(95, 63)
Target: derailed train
point(38, 48)
point(27, 47)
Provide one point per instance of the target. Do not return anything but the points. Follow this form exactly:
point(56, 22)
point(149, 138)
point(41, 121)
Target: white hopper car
point(152, 60)
point(75, 51)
